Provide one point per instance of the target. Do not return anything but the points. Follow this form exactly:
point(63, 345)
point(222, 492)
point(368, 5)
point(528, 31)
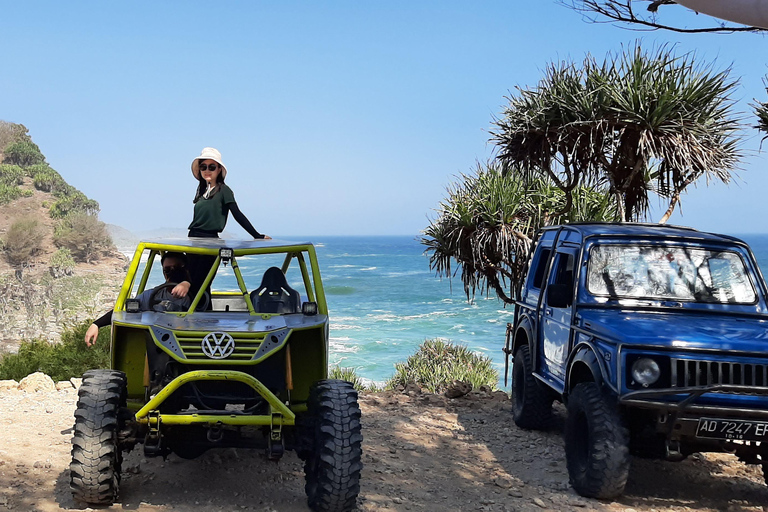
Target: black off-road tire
point(96, 458)
point(531, 400)
point(764, 461)
point(596, 444)
point(333, 465)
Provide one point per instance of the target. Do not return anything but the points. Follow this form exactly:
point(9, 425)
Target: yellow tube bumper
point(280, 413)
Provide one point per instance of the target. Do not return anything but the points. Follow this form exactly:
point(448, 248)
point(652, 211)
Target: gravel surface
point(421, 452)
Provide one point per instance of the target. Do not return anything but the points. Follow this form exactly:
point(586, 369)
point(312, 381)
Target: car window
point(562, 270)
point(540, 266)
point(670, 273)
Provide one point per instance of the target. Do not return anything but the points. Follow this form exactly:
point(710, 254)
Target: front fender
point(524, 334)
point(584, 365)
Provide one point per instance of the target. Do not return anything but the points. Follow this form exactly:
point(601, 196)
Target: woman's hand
point(91, 334)
point(266, 237)
point(181, 289)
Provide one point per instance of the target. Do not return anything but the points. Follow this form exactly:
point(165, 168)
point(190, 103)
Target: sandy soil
point(421, 453)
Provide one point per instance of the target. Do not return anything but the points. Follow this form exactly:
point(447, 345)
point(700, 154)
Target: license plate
point(732, 429)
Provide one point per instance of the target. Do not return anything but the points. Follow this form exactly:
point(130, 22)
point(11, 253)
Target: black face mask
point(177, 275)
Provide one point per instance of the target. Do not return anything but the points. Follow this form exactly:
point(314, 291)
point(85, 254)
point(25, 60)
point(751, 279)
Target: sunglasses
point(208, 167)
point(172, 268)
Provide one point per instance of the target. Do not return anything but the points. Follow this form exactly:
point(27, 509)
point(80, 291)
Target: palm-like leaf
point(761, 109)
point(487, 223)
point(637, 123)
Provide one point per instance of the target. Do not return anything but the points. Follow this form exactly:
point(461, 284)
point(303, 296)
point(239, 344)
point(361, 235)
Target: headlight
point(645, 371)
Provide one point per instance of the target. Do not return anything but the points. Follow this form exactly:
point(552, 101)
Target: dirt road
point(421, 453)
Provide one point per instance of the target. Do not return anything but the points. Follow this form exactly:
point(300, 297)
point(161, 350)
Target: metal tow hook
point(215, 433)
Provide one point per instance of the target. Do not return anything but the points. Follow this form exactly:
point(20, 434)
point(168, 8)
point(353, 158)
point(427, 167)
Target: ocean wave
point(336, 345)
point(345, 327)
point(368, 269)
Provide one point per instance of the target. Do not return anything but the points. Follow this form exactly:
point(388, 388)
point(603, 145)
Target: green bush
point(62, 263)
point(12, 132)
point(73, 201)
point(47, 180)
point(23, 153)
point(9, 193)
point(22, 241)
point(62, 361)
point(85, 236)
point(11, 174)
point(351, 376)
point(437, 363)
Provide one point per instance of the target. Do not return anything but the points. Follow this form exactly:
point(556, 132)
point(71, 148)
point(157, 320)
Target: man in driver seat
point(159, 298)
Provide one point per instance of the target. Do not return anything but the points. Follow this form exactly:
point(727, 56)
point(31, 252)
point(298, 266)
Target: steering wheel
point(154, 300)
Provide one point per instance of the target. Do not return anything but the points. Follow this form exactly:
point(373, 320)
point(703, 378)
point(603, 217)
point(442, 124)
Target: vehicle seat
point(274, 295)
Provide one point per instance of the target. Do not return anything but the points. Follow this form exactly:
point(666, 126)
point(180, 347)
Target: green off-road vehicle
point(245, 364)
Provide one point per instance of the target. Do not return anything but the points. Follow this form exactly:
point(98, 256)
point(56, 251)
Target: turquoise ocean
point(384, 301)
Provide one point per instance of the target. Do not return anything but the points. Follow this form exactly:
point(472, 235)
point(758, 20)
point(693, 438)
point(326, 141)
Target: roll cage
point(228, 252)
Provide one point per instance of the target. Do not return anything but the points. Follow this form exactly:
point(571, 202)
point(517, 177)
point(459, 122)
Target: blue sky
point(333, 118)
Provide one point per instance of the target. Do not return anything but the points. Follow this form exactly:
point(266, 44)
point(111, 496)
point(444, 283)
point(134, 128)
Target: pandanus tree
point(485, 227)
point(639, 123)
point(589, 143)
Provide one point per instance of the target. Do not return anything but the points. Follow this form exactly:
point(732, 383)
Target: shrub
point(9, 193)
point(351, 376)
point(62, 361)
point(73, 201)
point(22, 241)
point(11, 174)
point(46, 179)
point(12, 132)
point(84, 235)
point(62, 263)
point(23, 153)
point(437, 363)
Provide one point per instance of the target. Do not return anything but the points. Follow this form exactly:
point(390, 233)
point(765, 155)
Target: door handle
point(548, 311)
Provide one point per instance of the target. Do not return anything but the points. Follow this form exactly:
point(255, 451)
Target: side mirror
point(559, 295)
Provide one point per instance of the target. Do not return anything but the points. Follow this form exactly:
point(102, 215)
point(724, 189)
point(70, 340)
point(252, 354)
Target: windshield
point(668, 273)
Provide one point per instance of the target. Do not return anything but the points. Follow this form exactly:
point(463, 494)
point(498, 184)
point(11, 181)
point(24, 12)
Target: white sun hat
point(208, 154)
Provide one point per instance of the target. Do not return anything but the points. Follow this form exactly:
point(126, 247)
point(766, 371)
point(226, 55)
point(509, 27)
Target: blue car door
point(556, 322)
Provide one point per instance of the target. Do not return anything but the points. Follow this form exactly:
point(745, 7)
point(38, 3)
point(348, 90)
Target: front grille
point(246, 345)
point(692, 373)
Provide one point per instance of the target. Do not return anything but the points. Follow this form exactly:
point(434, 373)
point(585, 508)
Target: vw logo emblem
point(218, 345)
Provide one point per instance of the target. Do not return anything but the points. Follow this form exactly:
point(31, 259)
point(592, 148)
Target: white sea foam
point(337, 346)
point(427, 315)
point(368, 269)
point(344, 327)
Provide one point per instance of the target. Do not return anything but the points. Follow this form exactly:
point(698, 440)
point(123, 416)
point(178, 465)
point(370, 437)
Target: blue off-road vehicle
point(654, 337)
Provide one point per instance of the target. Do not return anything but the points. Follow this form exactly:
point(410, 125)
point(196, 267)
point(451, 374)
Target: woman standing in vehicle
point(214, 201)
